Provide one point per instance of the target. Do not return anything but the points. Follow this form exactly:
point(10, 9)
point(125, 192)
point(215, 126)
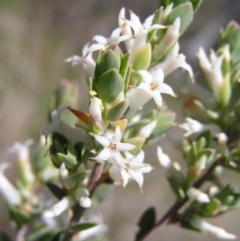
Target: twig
point(79, 210)
point(170, 215)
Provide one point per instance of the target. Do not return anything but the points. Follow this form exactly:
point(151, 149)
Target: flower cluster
point(106, 143)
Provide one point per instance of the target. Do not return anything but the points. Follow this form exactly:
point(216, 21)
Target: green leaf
point(59, 143)
point(69, 160)
point(56, 190)
point(79, 176)
point(43, 233)
point(196, 4)
point(78, 148)
point(110, 85)
point(211, 208)
point(124, 65)
point(59, 236)
point(142, 57)
point(82, 226)
point(165, 121)
point(116, 49)
point(108, 61)
point(117, 111)
point(146, 222)
point(19, 216)
point(4, 237)
point(185, 12)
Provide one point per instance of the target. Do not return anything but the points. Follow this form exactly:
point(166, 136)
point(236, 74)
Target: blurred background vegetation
point(36, 36)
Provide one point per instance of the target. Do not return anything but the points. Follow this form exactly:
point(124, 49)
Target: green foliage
point(116, 112)
point(110, 85)
point(142, 57)
point(185, 12)
point(77, 227)
point(56, 190)
point(146, 222)
point(195, 3)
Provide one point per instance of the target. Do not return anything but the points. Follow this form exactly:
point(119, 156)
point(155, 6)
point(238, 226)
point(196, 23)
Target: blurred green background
point(36, 36)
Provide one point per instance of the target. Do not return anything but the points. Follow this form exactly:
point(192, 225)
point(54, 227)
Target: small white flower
point(151, 87)
point(164, 159)
point(174, 61)
point(222, 139)
point(65, 177)
point(136, 30)
point(10, 194)
point(85, 60)
point(83, 197)
point(24, 161)
point(212, 68)
point(201, 163)
point(95, 231)
point(115, 37)
point(204, 226)
point(60, 207)
point(196, 194)
point(132, 167)
point(112, 145)
point(192, 126)
point(95, 111)
point(57, 125)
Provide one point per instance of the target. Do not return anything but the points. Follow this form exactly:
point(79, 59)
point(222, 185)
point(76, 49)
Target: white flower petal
point(137, 176)
point(166, 89)
point(204, 226)
point(164, 159)
point(125, 147)
point(104, 155)
point(116, 33)
point(85, 202)
point(10, 194)
point(117, 136)
point(102, 140)
point(157, 98)
point(60, 207)
point(138, 97)
point(147, 77)
point(100, 39)
point(125, 176)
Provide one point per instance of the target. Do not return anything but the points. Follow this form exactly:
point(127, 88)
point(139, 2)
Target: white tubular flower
point(65, 177)
point(22, 150)
point(204, 226)
point(151, 87)
point(112, 145)
point(212, 68)
point(222, 139)
point(95, 231)
point(83, 197)
point(95, 111)
point(60, 207)
point(174, 61)
point(114, 38)
point(132, 167)
point(201, 163)
point(139, 31)
point(57, 125)
point(164, 159)
point(196, 194)
point(168, 41)
point(10, 194)
point(192, 126)
point(147, 130)
point(85, 60)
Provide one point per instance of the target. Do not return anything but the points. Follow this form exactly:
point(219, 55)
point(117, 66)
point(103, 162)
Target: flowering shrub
point(108, 142)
